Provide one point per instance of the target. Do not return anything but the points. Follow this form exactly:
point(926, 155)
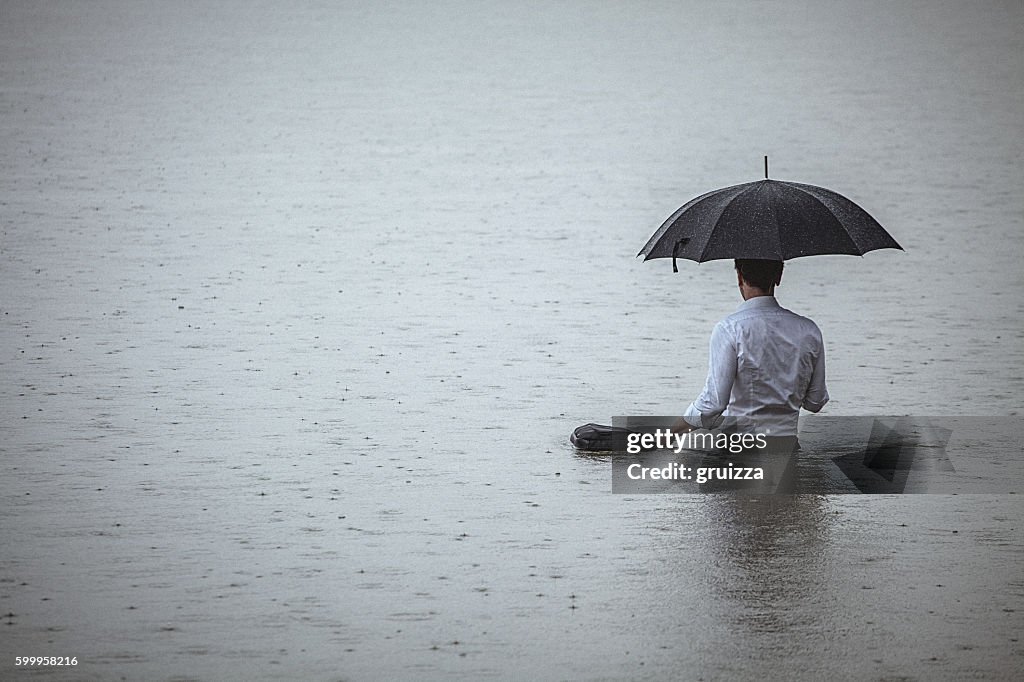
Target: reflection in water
point(771, 548)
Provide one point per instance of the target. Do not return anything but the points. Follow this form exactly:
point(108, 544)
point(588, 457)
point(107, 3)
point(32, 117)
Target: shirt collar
point(759, 302)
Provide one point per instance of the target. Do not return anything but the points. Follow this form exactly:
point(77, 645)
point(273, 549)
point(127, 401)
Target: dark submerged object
point(767, 220)
point(599, 438)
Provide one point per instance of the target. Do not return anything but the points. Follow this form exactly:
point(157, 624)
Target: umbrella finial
point(765, 166)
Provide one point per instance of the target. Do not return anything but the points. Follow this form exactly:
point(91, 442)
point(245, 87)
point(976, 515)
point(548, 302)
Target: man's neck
point(750, 292)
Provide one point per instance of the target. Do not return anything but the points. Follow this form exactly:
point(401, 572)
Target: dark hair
point(763, 274)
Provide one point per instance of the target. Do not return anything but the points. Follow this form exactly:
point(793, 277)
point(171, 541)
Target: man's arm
point(706, 411)
point(817, 394)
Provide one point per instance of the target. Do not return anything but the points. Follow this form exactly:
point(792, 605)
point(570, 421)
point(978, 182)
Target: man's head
point(757, 277)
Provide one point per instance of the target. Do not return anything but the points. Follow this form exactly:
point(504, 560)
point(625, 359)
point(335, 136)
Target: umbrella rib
point(700, 258)
point(778, 232)
point(670, 223)
point(816, 198)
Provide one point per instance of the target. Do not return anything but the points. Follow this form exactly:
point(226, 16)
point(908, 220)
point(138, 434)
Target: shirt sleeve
point(817, 394)
point(706, 411)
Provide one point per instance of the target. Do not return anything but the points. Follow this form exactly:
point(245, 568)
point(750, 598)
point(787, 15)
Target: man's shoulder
point(741, 317)
point(803, 318)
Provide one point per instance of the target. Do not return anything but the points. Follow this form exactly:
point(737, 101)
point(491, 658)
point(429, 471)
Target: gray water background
point(300, 303)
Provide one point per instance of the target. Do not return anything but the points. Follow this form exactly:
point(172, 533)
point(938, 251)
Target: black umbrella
point(770, 220)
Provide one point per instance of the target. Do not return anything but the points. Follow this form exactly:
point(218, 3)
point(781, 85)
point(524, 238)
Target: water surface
point(300, 305)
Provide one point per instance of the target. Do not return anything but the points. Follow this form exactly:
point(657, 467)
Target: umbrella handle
point(675, 251)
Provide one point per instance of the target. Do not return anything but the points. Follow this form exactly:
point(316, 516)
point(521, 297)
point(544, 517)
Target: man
point(766, 363)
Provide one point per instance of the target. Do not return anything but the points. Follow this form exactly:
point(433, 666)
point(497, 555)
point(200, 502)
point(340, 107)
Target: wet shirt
point(766, 363)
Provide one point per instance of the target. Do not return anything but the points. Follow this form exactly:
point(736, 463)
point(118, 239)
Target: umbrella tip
point(765, 166)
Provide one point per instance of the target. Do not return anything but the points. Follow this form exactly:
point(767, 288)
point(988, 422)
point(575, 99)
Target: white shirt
point(766, 363)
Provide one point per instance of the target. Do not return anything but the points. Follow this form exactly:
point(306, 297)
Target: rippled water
point(300, 305)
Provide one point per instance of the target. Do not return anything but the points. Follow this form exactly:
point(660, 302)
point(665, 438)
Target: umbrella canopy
point(770, 220)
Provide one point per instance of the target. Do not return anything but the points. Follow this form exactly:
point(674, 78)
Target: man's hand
point(682, 426)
